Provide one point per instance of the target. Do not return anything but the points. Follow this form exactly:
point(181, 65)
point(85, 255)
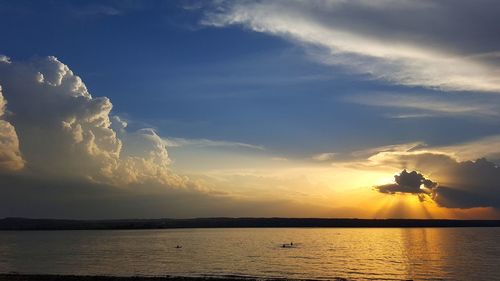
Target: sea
point(294, 253)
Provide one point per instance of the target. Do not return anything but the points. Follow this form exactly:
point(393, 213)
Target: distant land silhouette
point(224, 222)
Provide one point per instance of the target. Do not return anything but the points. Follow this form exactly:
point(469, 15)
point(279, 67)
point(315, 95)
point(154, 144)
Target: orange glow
point(408, 206)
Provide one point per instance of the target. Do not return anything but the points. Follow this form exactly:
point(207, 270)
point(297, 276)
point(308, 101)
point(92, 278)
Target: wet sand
point(39, 277)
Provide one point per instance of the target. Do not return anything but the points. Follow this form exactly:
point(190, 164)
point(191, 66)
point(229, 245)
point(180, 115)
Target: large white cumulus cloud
point(65, 132)
point(10, 156)
point(144, 157)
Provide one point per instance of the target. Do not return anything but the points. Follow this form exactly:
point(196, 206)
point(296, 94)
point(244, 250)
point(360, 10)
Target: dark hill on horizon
point(225, 222)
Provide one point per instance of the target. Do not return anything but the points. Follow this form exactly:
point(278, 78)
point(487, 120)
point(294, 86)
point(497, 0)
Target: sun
point(386, 179)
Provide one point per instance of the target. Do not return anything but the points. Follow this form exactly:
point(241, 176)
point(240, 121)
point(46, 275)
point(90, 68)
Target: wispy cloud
point(327, 156)
point(96, 10)
point(388, 40)
point(488, 147)
point(180, 142)
point(410, 116)
point(425, 106)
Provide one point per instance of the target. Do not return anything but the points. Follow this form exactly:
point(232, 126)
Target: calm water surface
point(318, 253)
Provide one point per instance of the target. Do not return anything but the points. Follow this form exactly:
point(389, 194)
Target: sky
point(178, 109)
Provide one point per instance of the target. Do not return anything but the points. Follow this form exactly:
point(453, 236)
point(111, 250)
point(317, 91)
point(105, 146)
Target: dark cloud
point(450, 197)
point(408, 182)
point(469, 184)
point(465, 184)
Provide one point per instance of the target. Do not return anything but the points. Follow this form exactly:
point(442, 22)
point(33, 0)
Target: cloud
point(64, 132)
point(10, 156)
point(178, 142)
point(396, 155)
point(144, 158)
point(362, 157)
point(488, 147)
point(279, 159)
point(408, 182)
point(410, 116)
point(387, 40)
point(426, 106)
point(80, 161)
point(469, 184)
point(96, 10)
point(412, 160)
point(327, 156)
point(405, 147)
point(453, 176)
point(454, 184)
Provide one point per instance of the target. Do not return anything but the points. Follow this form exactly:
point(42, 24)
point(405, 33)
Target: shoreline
point(58, 277)
point(60, 224)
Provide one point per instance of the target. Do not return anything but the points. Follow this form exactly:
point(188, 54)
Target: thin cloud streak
point(182, 142)
point(429, 106)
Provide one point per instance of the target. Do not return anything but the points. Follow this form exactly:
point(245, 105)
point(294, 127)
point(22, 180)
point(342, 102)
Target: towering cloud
point(10, 156)
point(65, 132)
point(144, 158)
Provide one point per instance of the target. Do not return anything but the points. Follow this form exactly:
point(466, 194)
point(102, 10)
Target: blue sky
point(228, 77)
point(161, 67)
